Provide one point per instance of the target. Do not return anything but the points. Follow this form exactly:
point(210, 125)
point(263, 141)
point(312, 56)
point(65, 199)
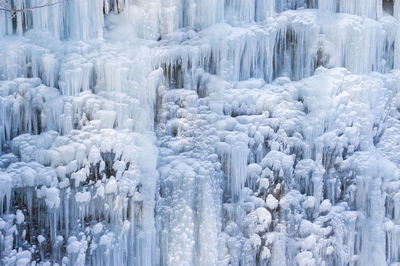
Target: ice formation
point(200, 132)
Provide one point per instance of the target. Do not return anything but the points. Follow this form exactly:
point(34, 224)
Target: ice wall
point(199, 132)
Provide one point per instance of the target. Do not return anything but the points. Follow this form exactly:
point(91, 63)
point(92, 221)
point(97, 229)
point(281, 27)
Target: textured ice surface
point(200, 132)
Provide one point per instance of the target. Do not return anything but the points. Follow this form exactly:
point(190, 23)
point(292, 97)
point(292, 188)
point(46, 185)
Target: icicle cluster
point(199, 132)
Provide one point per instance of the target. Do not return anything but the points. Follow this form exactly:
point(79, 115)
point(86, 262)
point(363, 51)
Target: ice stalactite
point(372, 9)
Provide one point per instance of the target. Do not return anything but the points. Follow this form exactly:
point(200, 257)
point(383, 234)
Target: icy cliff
point(200, 132)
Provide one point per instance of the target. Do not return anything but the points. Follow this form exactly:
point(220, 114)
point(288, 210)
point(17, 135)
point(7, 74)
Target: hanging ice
point(199, 132)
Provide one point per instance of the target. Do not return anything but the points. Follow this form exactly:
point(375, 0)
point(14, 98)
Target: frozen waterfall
point(200, 132)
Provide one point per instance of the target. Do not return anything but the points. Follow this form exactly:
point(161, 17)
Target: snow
point(20, 217)
point(111, 186)
point(97, 228)
point(272, 202)
point(41, 239)
point(325, 206)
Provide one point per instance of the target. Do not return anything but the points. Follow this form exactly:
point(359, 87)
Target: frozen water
point(199, 132)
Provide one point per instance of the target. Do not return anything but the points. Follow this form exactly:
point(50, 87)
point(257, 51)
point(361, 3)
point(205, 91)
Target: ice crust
point(200, 132)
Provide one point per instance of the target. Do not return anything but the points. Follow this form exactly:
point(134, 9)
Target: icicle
point(264, 9)
point(330, 5)
point(371, 9)
point(238, 166)
point(296, 47)
point(396, 9)
point(209, 12)
point(360, 45)
point(282, 5)
point(245, 9)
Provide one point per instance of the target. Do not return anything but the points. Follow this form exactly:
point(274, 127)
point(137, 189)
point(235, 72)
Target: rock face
point(200, 132)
